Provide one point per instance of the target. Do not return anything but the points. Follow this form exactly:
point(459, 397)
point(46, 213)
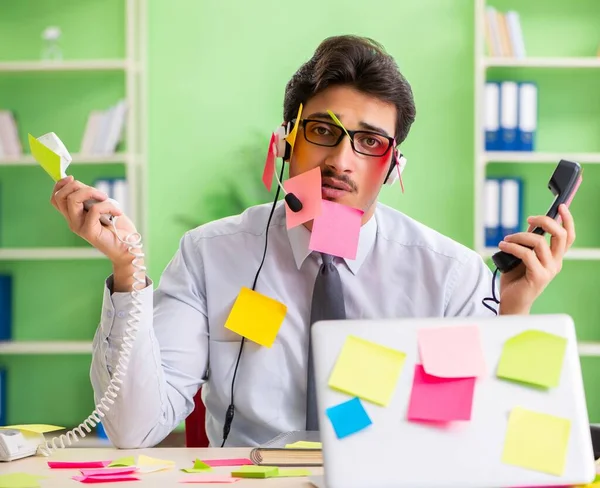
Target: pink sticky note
point(451, 352)
point(105, 479)
point(228, 462)
point(440, 399)
point(108, 471)
point(267, 177)
point(209, 478)
point(77, 465)
point(307, 188)
point(336, 230)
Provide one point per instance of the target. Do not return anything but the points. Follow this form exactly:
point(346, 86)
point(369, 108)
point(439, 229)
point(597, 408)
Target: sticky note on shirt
point(256, 317)
point(348, 418)
point(269, 169)
point(536, 441)
point(307, 188)
point(337, 230)
point(452, 351)
point(367, 370)
point(440, 399)
point(534, 357)
point(199, 467)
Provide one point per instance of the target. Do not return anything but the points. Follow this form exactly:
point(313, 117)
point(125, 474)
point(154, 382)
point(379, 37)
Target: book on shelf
point(104, 130)
point(510, 115)
point(115, 188)
point(3, 402)
point(503, 208)
point(503, 34)
point(6, 307)
point(10, 144)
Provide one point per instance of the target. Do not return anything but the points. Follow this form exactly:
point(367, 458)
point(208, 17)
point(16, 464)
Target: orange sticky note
point(267, 177)
point(256, 317)
point(307, 187)
point(336, 230)
point(291, 138)
point(451, 352)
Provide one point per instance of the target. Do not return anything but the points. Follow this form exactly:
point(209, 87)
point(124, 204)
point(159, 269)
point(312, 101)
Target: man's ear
point(283, 147)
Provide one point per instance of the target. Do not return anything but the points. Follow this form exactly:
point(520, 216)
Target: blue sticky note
point(348, 417)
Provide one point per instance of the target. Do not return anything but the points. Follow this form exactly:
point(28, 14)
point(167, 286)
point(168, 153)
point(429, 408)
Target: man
point(401, 269)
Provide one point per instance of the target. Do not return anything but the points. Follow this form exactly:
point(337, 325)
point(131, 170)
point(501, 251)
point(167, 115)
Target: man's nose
point(342, 157)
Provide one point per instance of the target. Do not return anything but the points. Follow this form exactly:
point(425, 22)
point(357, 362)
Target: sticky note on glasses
point(52, 155)
point(291, 138)
point(256, 317)
point(336, 231)
point(307, 187)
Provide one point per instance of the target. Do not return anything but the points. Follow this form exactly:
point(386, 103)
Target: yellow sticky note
point(124, 462)
point(19, 480)
point(304, 445)
point(291, 138)
point(367, 370)
point(337, 121)
point(150, 461)
point(199, 467)
point(47, 158)
point(536, 441)
point(37, 428)
point(256, 317)
point(534, 357)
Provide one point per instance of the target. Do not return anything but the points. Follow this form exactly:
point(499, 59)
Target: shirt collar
point(299, 238)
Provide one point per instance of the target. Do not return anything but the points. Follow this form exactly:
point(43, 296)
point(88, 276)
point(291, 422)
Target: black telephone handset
point(563, 184)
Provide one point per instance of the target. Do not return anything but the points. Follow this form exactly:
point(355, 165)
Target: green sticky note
point(122, 462)
point(534, 357)
point(292, 473)
point(47, 158)
point(19, 480)
point(252, 471)
point(199, 467)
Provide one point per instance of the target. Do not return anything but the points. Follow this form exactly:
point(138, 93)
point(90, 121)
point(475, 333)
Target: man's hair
point(359, 62)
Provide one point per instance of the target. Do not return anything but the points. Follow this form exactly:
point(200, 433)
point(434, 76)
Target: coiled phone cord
point(134, 241)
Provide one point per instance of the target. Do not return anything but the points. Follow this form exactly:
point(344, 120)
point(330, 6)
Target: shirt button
point(121, 314)
point(109, 314)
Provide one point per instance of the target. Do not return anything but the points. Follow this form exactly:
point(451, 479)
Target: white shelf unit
point(540, 62)
point(49, 253)
point(45, 347)
point(76, 65)
point(27, 159)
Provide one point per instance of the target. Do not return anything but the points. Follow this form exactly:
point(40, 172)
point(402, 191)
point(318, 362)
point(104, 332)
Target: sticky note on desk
point(304, 445)
point(37, 428)
point(536, 441)
point(199, 467)
point(77, 464)
point(256, 317)
point(105, 479)
point(452, 351)
point(256, 472)
point(307, 188)
point(124, 461)
point(348, 418)
point(336, 230)
point(228, 462)
point(367, 370)
point(209, 478)
point(19, 480)
point(534, 357)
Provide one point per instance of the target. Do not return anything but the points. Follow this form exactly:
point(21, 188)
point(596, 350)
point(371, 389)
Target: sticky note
point(534, 357)
point(452, 351)
point(292, 473)
point(108, 471)
point(304, 445)
point(440, 399)
point(19, 480)
point(256, 472)
point(77, 464)
point(337, 121)
point(348, 418)
point(337, 230)
point(367, 370)
point(105, 479)
point(267, 177)
point(150, 461)
point(209, 478)
point(124, 461)
point(37, 428)
point(307, 188)
point(47, 158)
point(536, 441)
point(199, 467)
point(228, 462)
point(291, 137)
point(256, 317)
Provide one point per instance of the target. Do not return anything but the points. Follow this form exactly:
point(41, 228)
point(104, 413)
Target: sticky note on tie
point(199, 467)
point(534, 357)
point(337, 230)
point(536, 441)
point(367, 370)
point(348, 417)
point(307, 187)
point(452, 351)
point(269, 169)
point(256, 317)
point(440, 399)
point(37, 428)
point(124, 461)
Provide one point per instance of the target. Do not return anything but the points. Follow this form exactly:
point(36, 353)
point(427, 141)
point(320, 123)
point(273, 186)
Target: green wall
point(217, 72)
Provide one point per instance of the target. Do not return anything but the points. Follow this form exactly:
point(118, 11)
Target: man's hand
point(541, 262)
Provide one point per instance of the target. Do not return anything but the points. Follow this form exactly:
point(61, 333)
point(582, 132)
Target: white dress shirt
point(402, 269)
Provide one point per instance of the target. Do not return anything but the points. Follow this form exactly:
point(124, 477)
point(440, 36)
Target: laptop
point(396, 409)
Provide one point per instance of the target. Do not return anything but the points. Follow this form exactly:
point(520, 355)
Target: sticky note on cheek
point(307, 188)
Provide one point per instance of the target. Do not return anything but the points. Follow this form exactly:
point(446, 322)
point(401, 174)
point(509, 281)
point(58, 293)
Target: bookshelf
point(57, 276)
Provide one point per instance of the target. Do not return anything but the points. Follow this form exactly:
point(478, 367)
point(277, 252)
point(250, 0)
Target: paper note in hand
point(256, 317)
point(51, 154)
point(367, 370)
point(336, 231)
point(440, 399)
point(536, 441)
point(307, 188)
point(534, 357)
point(348, 418)
point(452, 351)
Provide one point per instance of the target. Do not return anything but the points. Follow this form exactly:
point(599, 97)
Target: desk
point(183, 458)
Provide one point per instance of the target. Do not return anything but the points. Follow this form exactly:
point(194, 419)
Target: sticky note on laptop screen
point(367, 370)
point(534, 357)
point(537, 441)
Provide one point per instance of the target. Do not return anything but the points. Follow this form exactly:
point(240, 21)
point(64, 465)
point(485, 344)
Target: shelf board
point(27, 159)
point(75, 65)
point(589, 254)
point(45, 347)
point(49, 253)
point(586, 62)
point(539, 157)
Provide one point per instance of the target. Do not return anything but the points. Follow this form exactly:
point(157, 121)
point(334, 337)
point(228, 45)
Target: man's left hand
point(541, 262)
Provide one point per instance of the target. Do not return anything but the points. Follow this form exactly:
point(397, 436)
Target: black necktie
point(327, 304)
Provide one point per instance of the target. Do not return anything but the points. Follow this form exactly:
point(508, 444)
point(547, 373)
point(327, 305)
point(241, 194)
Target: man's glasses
point(329, 135)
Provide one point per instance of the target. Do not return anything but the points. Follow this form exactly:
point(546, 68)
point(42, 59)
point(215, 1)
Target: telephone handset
point(563, 184)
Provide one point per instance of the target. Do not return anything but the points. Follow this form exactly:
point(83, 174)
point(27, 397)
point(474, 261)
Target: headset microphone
point(292, 200)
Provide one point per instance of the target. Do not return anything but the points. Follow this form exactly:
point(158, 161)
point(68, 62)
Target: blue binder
point(509, 119)
point(511, 206)
point(493, 141)
point(492, 212)
point(5, 307)
point(3, 403)
point(528, 115)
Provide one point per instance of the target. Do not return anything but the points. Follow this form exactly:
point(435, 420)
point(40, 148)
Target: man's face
point(349, 178)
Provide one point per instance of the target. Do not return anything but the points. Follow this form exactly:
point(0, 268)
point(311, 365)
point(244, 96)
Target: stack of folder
point(503, 208)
